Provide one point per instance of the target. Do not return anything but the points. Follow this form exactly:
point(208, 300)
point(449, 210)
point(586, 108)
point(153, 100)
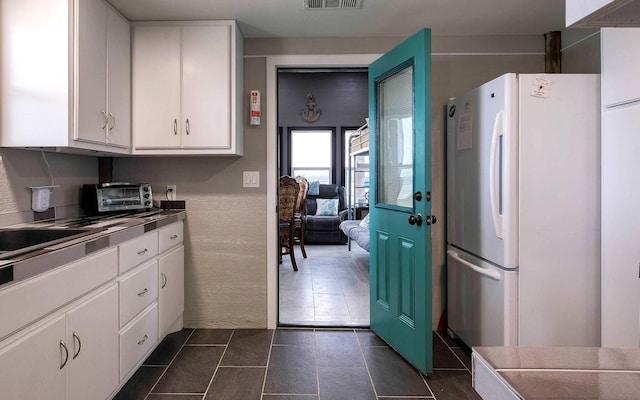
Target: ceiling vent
point(331, 4)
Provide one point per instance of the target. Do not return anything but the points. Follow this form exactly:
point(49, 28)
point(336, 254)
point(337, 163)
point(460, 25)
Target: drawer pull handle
point(143, 292)
point(174, 237)
point(164, 280)
point(66, 352)
point(144, 339)
point(77, 338)
point(141, 252)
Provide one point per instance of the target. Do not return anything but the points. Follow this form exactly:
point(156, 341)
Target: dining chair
point(287, 198)
point(299, 218)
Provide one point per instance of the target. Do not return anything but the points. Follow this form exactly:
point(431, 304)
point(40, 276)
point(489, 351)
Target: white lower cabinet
point(171, 288)
point(31, 367)
point(92, 341)
point(73, 355)
point(137, 291)
point(79, 331)
point(137, 338)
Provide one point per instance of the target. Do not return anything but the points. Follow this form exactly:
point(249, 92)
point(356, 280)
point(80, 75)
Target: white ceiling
point(288, 18)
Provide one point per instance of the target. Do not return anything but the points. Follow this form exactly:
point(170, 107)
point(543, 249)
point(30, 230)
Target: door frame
point(273, 63)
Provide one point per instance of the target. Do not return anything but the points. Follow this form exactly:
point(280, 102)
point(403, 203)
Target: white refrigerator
point(523, 212)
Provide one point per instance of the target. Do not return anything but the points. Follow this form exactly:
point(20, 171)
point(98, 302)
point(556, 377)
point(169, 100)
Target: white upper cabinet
point(187, 88)
point(61, 61)
point(104, 79)
point(620, 65)
point(156, 86)
point(600, 13)
point(620, 220)
point(118, 79)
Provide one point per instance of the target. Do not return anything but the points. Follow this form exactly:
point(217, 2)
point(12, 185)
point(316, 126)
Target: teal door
point(400, 221)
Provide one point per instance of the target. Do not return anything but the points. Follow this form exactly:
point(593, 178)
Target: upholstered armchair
point(325, 210)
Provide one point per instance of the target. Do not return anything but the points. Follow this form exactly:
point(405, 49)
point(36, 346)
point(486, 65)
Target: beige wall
point(226, 231)
point(20, 169)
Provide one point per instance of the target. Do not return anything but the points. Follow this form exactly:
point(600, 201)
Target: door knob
point(415, 219)
point(431, 219)
point(417, 196)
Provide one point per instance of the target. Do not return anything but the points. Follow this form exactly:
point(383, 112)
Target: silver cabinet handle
point(141, 252)
point(174, 237)
point(113, 121)
point(164, 280)
point(106, 120)
point(143, 292)
point(144, 339)
point(175, 126)
point(76, 337)
point(188, 128)
point(66, 354)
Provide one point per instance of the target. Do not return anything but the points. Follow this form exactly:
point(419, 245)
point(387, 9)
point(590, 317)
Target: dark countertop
point(110, 230)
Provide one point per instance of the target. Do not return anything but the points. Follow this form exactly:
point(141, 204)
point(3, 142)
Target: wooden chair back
point(302, 195)
point(288, 197)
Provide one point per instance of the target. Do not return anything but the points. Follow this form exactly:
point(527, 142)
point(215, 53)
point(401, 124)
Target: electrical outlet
point(172, 193)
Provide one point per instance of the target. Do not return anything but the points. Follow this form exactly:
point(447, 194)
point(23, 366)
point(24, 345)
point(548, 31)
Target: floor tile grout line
point(452, 352)
point(315, 361)
point(226, 347)
point(266, 368)
point(366, 364)
point(169, 365)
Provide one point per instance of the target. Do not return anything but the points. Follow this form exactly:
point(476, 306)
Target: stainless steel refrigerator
point(523, 212)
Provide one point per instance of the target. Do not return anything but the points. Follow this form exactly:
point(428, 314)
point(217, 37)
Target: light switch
point(251, 179)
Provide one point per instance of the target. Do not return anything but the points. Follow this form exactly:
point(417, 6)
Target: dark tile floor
point(294, 364)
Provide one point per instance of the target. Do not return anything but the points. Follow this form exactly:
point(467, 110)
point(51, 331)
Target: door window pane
point(395, 138)
point(311, 154)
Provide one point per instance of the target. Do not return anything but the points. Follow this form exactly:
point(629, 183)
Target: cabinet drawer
point(137, 339)
point(170, 236)
point(138, 250)
point(137, 291)
point(33, 298)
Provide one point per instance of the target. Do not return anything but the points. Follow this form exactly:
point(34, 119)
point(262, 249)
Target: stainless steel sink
point(22, 240)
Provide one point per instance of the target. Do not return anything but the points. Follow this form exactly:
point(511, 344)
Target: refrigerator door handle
point(482, 271)
point(493, 188)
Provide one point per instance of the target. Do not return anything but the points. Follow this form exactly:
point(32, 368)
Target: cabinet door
point(620, 227)
point(30, 366)
point(92, 335)
point(118, 79)
point(91, 70)
point(171, 292)
point(206, 89)
point(156, 87)
point(620, 61)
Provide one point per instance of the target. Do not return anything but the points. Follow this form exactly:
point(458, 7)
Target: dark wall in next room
point(341, 96)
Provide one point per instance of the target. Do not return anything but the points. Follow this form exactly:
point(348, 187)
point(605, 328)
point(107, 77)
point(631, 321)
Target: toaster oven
point(116, 196)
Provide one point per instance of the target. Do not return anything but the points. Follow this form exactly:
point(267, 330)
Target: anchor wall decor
point(310, 114)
